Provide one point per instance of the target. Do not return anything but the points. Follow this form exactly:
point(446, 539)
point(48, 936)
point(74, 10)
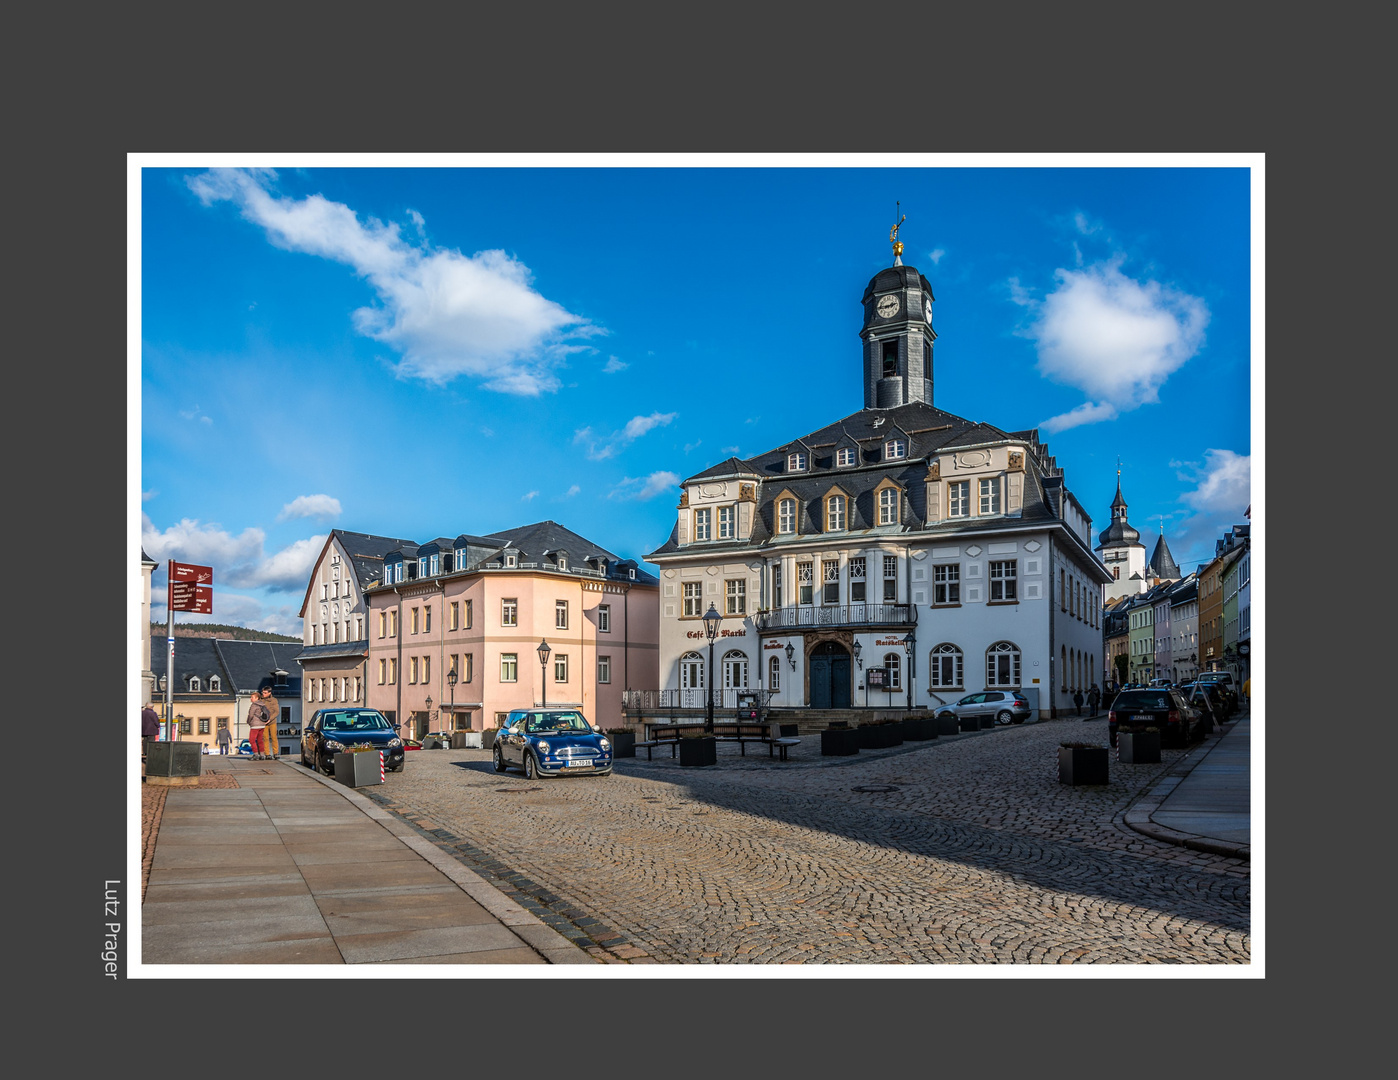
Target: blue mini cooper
point(552, 742)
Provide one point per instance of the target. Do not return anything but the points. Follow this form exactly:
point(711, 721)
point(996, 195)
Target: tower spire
point(893, 235)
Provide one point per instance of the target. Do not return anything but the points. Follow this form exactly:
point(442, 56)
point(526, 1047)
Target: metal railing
point(724, 699)
point(837, 615)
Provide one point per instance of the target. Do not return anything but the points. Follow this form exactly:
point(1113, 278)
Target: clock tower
point(898, 337)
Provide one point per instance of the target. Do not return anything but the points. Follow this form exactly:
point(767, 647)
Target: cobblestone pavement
point(965, 849)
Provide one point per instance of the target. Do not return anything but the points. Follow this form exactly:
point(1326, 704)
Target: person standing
point(150, 725)
point(1077, 700)
point(258, 716)
point(1094, 698)
point(225, 739)
point(274, 743)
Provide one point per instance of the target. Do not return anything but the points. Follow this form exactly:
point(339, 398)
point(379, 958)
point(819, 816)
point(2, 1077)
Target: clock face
point(888, 307)
point(927, 312)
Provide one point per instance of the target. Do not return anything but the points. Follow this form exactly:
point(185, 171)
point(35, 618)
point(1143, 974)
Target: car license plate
point(1143, 719)
point(576, 763)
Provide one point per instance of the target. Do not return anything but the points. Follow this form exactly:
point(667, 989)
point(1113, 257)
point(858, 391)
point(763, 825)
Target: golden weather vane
point(893, 235)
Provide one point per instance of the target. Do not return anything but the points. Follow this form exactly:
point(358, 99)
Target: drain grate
point(876, 787)
point(516, 790)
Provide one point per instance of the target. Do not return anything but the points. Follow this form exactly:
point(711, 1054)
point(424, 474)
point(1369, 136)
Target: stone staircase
point(814, 721)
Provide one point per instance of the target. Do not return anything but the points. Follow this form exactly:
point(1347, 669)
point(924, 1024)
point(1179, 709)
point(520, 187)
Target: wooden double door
point(830, 676)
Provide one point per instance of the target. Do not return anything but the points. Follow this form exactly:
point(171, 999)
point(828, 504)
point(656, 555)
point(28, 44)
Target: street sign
point(191, 588)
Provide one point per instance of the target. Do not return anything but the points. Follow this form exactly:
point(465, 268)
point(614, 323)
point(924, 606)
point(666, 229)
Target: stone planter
point(173, 764)
point(623, 743)
point(947, 724)
point(488, 738)
point(839, 742)
point(919, 728)
point(359, 769)
point(987, 722)
point(969, 723)
point(874, 736)
point(1138, 747)
point(1082, 765)
point(465, 740)
point(700, 751)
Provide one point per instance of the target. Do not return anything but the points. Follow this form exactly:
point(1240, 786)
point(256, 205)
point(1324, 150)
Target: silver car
point(1006, 706)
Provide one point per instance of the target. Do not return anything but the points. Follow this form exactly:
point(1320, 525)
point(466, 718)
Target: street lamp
point(908, 643)
point(429, 716)
point(858, 648)
point(712, 619)
point(451, 681)
point(790, 655)
point(543, 651)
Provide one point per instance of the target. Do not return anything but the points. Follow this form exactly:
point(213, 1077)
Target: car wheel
point(325, 766)
point(499, 760)
point(396, 768)
point(531, 768)
point(1003, 716)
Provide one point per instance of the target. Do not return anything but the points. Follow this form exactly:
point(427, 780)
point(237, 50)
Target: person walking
point(1077, 700)
point(225, 739)
point(150, 726)
point(1094, 698)
point(274, 744)
point(258, 715)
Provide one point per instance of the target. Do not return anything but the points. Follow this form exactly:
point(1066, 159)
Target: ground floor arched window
point(735, 670)
point(946, 666)
point(893, 665)
point(774, 673)
point(1002, 664)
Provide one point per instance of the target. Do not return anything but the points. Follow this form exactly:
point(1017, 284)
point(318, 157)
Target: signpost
point(188, 587)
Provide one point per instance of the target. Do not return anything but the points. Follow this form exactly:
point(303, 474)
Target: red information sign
point(191, 588)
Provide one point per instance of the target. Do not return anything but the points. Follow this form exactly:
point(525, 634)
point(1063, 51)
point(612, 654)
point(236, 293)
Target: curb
point(1138, 816)
point(532, 931)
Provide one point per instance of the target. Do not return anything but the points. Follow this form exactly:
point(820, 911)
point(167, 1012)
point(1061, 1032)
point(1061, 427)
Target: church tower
point(897, 335)
point(1119, 547)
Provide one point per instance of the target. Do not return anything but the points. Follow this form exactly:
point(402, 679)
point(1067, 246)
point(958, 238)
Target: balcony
point(808, 616)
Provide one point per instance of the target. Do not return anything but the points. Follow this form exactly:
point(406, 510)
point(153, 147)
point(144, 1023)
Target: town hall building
point(899, 556)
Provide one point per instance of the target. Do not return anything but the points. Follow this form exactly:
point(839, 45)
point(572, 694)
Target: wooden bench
point(741, 733)
point(782, 745)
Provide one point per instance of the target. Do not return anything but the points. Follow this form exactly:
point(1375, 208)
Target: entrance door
point(829, 676)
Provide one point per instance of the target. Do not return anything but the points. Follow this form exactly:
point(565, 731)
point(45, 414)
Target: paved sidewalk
point(293, 868)
point(1204, 802)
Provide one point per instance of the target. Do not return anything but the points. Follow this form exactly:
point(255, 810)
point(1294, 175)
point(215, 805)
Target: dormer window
point(894, 449)
point(214, 684)
point(888, 506)
point(725, 522)
point(194, 684)
point(511, 560)
point(786, 516)
point(844, 457)
point(796, 462)
point(563, 562)
point(835, 513)
point(435, 565)
point(702, 529)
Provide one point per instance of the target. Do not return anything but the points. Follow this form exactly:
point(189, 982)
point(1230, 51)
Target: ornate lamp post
point(451, 682)
point(543, 652)
point(908, 643)
point(791, 655)
point(858, 648)
point(712, 619)
point(428, 721)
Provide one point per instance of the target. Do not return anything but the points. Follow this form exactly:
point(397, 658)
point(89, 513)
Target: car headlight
point(604, 744)
point(393, 744)
point(543, 744)
point(331, 744)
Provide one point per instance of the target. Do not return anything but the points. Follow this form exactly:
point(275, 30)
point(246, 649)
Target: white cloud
point(571, 491)
point(1085, 225)
point(731, 450)
point(323, 507)
point(614, 365)
point(1113, 337)
point(936, 255)
point(657, 483)
point(602, 447)
point(528, 496)
point(147, 496)
point(195, 414)
point(1088, 412)
point(446, 313)
point(239, 562)
point(1224, 484)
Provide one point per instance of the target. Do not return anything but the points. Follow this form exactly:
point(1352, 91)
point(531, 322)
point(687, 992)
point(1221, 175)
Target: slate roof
point(242, 666)
point(1119, 532)
point(340, 650)
point(1162, 564)
point(927, 430)
point(366, 553)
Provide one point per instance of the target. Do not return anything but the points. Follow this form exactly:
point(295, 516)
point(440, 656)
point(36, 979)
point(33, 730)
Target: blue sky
point(425, 351)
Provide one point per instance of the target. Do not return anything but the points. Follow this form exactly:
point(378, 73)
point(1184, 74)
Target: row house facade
point(901, 556)
point(455, 627)
point(1231, 547)
point(215, 679)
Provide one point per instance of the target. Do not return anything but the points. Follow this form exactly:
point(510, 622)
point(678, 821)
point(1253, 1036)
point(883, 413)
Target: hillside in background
point(217, 630)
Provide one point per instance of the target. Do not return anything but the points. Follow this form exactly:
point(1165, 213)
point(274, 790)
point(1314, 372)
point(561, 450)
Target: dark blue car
point(333, 730)
point(552, 742)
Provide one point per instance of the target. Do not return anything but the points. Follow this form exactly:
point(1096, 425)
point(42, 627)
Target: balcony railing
point(724, 699)
point(836, 615)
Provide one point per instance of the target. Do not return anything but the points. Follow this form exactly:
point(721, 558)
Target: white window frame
point(796, 461)
point(560, 667)
point(727, 522)
point(702, 529)
point(560, 614)
point(604, 669)
point(735, 596)
point(888, 506)
point(786, 516)
point(943, 652)
point(1009, 650)
point(774, 673)
point(959, 498)
point(829, 581)
point(509, 667)
point(1004, 581)
point(946, 585)
point(893, 668)
point(895, 450)
point(989, 494)
point(857, 568)
point(691, 671)
point(805, 582)
point(693, 596)
point(509, 611)
point(604, 618)
point(835, 513)
point(890, 579)
point(845, 457)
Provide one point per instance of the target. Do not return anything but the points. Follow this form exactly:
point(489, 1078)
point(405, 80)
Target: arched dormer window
point(895, 450)
point(215, 684)
point(846, 457)
point(836, 516)
point(796, 461)
point(194, 684)
point(888, 503)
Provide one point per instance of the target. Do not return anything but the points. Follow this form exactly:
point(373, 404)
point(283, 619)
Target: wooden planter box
point(839, 742)
point(1082, 765)
point(623, 743)
point(919, 729)
point(359, 770)
point(988, 721)
point(947, 724)
point(1138, 747)
point(878, 736)
point(173, 764)
point(700, 751)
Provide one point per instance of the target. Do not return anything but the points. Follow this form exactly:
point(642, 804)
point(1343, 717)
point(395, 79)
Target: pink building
point(479, 607)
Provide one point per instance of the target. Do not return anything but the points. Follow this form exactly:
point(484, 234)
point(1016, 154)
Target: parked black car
point(333, 730)
point(1210, 699)
point(1163, 708)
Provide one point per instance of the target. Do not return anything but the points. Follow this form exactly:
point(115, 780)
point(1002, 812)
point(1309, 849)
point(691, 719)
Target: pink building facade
point(480, 607)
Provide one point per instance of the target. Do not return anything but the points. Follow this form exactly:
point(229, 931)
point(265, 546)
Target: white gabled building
point(945, 554)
